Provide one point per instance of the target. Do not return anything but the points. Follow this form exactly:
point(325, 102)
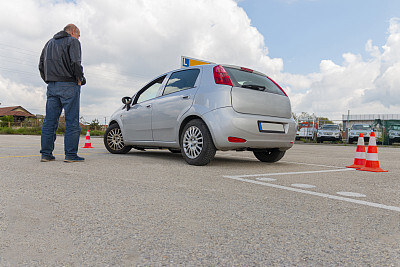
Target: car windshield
point(330, 127)
point(396, 127)
point(361, 127)
point(251, 80)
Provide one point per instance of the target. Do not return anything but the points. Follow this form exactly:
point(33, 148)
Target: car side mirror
point(127, 102)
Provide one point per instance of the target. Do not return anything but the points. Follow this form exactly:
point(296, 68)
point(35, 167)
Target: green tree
point(323, 121)
point(94, 125)
point(5, 120)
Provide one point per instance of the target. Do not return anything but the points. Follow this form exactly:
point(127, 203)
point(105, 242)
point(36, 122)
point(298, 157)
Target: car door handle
point(186, 97)
point(148, 106)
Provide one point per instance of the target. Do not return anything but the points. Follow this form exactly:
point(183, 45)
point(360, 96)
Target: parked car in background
point(394, 134)
point(355, 131)
point(306, 133)
point(329, 132)
point(201, 109)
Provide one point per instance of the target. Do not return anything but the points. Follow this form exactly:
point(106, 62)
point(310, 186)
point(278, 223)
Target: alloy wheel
point(193, 142)
point(115, 139)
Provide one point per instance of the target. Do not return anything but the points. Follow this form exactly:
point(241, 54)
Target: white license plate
point(271, 127)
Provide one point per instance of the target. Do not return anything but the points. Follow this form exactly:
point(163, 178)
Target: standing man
point(60, 67)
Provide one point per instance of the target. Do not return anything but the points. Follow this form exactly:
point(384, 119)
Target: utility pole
point(347, 124)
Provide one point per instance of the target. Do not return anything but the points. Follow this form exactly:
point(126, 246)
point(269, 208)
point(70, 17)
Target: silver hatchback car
point(198, 110)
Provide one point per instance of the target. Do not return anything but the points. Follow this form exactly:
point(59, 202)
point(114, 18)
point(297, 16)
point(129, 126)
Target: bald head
point(72, 30)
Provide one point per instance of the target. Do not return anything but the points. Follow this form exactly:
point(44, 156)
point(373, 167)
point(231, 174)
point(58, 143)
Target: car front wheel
point(113, 140)
point(196, 143)
point(272, 155)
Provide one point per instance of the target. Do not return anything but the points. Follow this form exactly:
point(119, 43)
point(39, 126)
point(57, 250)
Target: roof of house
point(15, 111)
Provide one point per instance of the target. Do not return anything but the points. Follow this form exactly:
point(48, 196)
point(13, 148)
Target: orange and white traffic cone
point(360, 158)
point(88, 144)
point(372, 162)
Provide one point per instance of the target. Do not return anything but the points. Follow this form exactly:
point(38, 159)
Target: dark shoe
point(47, 158)
point(74, 159)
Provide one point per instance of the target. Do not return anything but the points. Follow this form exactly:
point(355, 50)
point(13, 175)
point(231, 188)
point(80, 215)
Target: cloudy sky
point(330, 56)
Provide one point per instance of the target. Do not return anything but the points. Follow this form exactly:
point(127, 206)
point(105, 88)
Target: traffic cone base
point(357, 164)
point(372, 169)
point(88, 143)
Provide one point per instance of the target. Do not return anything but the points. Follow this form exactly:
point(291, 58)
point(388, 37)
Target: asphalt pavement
point(150, 208)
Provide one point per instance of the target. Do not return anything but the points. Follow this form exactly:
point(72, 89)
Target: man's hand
point(79, 82)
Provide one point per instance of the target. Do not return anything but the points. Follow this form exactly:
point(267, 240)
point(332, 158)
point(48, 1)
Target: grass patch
point(6, 130)
point(92, 132)
point(22, 130)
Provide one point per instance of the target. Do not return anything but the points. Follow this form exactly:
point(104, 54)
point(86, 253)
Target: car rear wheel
point(196, 143)
point(113, 140)
point(272, 155)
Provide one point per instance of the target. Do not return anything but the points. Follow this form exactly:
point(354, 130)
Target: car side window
point(150, 91)
point(181, 80)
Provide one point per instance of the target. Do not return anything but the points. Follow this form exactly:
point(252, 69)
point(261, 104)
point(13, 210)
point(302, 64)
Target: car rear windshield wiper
point(254, 86)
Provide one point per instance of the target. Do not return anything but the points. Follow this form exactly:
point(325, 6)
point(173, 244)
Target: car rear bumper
point(225, 122)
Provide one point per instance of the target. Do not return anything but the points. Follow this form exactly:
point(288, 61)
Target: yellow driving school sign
point(189, 62)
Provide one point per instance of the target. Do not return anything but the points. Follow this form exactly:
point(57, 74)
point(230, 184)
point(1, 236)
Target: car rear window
point(251, 80)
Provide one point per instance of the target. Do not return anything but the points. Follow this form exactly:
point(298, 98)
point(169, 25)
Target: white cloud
point(126, 43)
point(363, 86)
point(21, 93)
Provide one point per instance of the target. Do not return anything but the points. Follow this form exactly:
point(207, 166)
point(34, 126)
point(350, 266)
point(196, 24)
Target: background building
point(18, 112)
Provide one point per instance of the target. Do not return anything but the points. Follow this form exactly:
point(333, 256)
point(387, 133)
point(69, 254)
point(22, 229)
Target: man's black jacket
point(60, 60)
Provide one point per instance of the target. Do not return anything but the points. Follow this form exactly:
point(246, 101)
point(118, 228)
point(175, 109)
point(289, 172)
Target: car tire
point(113, 140)
point(197, 146)
point(272, 155)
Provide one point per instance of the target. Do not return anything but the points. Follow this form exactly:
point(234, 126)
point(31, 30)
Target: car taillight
point(236, 140)
point(221, 76)
point(278, 86)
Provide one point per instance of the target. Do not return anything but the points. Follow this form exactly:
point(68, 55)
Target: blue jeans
point(61, 95)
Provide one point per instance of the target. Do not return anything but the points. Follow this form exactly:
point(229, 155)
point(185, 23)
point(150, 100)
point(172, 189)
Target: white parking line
point(303, 185)
point(286, 173)
point(365, 203)
point(350, 194)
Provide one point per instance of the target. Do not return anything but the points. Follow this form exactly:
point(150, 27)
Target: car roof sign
point(189, 62)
